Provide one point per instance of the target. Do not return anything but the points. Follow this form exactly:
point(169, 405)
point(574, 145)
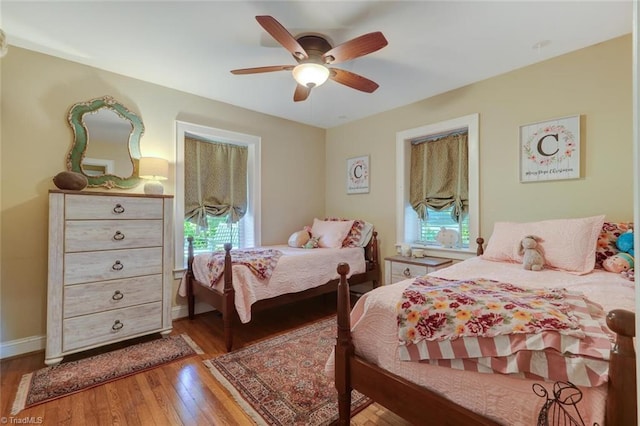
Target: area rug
point(281, 380)
point(65, 379)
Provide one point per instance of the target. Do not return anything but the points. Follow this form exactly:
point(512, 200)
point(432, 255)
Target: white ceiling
point(434, 46)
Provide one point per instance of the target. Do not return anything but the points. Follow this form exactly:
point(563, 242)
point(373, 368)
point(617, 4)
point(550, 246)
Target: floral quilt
point(495, 327)
point(261, 262)
point(436, 309)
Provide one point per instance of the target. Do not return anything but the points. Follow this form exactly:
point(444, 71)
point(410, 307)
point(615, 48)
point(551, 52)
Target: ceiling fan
point(314, 54)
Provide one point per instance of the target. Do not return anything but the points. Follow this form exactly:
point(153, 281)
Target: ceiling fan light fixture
point(310, 74)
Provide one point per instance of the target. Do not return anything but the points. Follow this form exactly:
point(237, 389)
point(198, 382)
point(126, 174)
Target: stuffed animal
point(618, 263)
point(531, 253)
point(625, 243)
point(312, 243)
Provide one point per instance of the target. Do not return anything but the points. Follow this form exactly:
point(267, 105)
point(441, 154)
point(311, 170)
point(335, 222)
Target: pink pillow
point(567, 244)
point(355, 233)
point(330, 233)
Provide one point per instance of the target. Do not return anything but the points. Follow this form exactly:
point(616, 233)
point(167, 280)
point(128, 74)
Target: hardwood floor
point(180, 393)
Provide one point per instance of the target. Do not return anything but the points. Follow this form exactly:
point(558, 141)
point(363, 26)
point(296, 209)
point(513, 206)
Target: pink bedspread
point(297, 270)
point(505, 399)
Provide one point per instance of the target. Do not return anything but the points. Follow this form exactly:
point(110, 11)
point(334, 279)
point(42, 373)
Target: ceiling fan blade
point(355, 48)
point(262, 69)
point(353, 80)
point(282, 36)
point(301, 93)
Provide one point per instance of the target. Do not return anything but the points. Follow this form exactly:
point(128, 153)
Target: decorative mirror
point(106, 145)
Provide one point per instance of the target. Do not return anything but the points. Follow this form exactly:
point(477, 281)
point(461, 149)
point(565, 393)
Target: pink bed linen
point(297, 270)
point(505, 399)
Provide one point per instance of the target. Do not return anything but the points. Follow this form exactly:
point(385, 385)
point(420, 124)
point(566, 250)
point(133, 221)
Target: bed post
point(228, 308)
point(480, 248)
point(344, 347)
point(191, 299)
point(621, 394)
point(373, 256)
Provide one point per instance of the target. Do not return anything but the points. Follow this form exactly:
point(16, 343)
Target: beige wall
point(594, 82)
point(37, 92)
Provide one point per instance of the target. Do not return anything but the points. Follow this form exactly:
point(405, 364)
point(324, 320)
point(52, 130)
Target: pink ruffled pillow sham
point(331, 233)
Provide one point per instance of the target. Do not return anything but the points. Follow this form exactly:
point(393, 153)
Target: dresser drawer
point(105, 327)
point(111, 264)
point(87, 235)
point(106, 207)
point(402, 271)
point(82, 299)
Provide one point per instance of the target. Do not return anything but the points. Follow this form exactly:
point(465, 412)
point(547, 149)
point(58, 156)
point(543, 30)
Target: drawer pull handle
point(119, 236)
point(406, 272)
point(117, 326)
point(118, 209)
point(117, 295)
point(117, 266)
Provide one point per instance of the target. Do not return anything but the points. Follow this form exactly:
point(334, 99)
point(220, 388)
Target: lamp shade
point(310, 74)
point(154, 168)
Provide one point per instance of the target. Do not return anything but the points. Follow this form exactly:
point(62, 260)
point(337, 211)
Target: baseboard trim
point(38, 343)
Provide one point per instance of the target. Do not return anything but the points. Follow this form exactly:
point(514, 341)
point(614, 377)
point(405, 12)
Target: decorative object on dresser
point(70, 180)
point(398, 268)
point(153, 170)
point(109, 269)
point(111, 159)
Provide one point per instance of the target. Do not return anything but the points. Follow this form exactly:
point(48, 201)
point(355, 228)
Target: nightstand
point(398, 268)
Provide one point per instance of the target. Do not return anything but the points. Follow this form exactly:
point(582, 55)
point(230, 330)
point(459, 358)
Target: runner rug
point(281, 380)
point(65, 379)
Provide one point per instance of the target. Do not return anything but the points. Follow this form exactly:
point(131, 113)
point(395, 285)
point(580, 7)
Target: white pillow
point(330, 233)
point(567, 244)
point(367, 233)
point(298, 239)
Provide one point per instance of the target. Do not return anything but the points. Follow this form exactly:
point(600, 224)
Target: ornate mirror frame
point(81, 139)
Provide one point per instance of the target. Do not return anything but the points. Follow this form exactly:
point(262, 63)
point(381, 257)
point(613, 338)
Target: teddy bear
point(532, 258)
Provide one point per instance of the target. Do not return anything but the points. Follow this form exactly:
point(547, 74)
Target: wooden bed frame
point(224, 301)
point(422, 406)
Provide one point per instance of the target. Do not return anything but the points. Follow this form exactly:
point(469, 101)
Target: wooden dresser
point(109, 269)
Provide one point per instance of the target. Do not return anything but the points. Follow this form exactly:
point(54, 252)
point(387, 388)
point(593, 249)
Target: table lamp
point(153, 170)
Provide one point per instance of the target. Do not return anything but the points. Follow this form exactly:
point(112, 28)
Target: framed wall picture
point(550, 150)
point(358, 175)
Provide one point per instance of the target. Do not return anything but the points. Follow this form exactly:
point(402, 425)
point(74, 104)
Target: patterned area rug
point(65, 379)
point(281, 381)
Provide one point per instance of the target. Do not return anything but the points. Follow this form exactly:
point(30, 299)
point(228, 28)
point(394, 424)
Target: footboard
point(222, 302)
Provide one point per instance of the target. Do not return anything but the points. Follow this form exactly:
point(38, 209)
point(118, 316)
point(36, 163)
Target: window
point(409, 227)
point(442, 219)
point(244, 233)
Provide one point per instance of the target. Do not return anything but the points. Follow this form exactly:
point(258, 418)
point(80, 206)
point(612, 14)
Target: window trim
point(253, 143)
point(403, 165)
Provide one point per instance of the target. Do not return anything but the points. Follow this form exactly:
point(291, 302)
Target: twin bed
point(367, 353)
point(301, 273)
